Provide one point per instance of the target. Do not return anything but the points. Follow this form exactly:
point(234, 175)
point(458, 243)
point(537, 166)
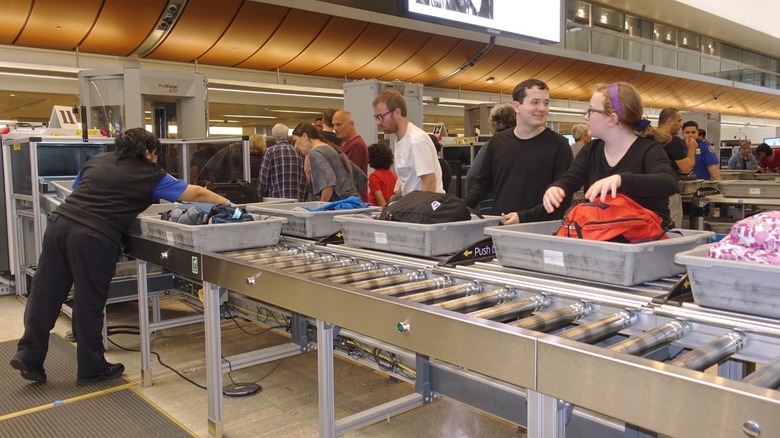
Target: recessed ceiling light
point(490, 80)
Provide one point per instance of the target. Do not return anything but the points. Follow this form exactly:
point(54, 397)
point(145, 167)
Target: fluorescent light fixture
point(172, 129)
point(223, 121)
point(240, 116)
point(285, 87)
point(37, 76)
point(274, 93)
point(225, 130)
point(295, 111)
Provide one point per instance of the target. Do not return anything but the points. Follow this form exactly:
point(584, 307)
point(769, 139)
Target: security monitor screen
point(540, 20)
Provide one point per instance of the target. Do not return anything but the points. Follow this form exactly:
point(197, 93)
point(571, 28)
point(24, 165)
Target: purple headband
point(614, 97)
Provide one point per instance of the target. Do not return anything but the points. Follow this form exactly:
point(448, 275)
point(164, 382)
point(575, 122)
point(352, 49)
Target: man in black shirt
point(681, 155)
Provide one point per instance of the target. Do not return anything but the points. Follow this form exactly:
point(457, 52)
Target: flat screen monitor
point(772, 141)
point(539, 20)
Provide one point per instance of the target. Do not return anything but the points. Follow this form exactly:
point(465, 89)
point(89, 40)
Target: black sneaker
point(35, 373)
point(112, 371)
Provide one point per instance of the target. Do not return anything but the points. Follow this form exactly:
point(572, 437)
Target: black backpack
point(239, 191)
point(426, 208)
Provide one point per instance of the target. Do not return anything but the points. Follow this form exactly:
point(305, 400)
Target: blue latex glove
point(344, 204)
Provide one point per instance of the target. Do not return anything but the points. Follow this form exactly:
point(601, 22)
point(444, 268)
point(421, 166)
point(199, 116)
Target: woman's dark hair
point(314, 133)
point(135, 142)
point(763, 148)
point(380, 156)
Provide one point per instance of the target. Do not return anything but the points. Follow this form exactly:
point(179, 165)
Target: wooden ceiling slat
point(331, 42)
point(122, 26)
point(292, 37)
point(528, 71)
point(453, 61)
point(58, 25)
point(607, 76)
point(552, 75)
point(200, 25)
point(503, 73)
point(669, 91)
point(481, 70)
point(15, 14)
point(253, 25)
point(403, 47)
point(435, 50)
point(374, 39)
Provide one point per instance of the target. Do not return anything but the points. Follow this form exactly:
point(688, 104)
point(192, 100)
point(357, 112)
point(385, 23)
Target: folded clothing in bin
point(203, 213)
point(344, 204)
point(753, 239)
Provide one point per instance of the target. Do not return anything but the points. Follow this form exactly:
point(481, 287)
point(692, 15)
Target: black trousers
point(72, 255)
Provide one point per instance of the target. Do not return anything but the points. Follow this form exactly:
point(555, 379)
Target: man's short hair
point(578, 130)
point(763, 148)
point(690, 123)
point(327, 117)
point(392, 100)
point(703, 133)
point(280, 132)
point(519, 93)
point(666, 114)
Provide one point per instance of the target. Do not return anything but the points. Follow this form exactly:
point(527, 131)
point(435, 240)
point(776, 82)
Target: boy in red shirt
point(381, 182)
point(768, 158)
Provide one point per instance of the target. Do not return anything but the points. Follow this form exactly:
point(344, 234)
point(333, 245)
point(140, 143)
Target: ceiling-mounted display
point(539, 20)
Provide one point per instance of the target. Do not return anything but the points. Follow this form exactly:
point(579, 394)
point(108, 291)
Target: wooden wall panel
point(366, 47)
point(332, 41)
point(13, 18)
point(58, 25)
point(403, 47)
point(252, 27)
point(122, 26)
point(435, 50)
point(293, 36)
point(475, 76)
point(453, 61)
point(504, 74)
point(200, 25)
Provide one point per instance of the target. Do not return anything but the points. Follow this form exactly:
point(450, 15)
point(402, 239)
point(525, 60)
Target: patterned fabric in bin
point(753, 239)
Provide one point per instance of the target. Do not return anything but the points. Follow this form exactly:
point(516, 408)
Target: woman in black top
point(620, 160)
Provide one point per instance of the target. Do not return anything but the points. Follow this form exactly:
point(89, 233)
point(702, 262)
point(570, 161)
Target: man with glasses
point(416, 162)
point(520, 163)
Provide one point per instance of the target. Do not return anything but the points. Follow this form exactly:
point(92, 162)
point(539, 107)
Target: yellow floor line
point(160, 410)
point(69, 400)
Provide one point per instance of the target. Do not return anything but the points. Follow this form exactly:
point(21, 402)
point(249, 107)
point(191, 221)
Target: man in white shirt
point(416, 162)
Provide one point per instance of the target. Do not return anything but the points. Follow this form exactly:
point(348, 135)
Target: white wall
point(756, 135)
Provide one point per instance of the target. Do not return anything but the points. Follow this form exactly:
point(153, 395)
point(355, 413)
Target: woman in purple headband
point(624, 157)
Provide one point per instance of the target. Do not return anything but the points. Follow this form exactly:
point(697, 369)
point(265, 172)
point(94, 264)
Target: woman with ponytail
point(620, 159)
point(331, 171)
point(82, 245)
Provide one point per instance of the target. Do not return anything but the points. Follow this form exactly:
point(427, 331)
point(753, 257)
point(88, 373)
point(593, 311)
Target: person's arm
point(476, 165)
point(195, 193)
point(658, 179)
point(380, 198)
point(687, 163)
point(714, 172)
point(483, 183)
point(428, 182)
point(326, 194)
point(265, 174)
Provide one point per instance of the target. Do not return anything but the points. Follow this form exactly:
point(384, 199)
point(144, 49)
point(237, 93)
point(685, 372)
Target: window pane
point(710, 46)
point(578, 12)
point(636, 27)
point(688, 61)
point(665, 34)
point(664, 57)
point(607, 45)
point(747, 57)
point(638, 51)
point(607, 18)
point(710, 67)
point(578, 40)
point(729, 52)
point(689, 40)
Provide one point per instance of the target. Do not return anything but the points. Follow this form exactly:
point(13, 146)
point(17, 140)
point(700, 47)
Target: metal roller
point(712, 353)
point(350, 269)
point(768, 376)
point(359, 276)
point(303, 261)
point(513, 309)
point(490, 298)
point(602, 329)
point(251, 253)
point(376, 283)
point(433, 283)
point(549, 321)
point(321, 266)
point(284, 258)
point(656, 338)
point(457, 290)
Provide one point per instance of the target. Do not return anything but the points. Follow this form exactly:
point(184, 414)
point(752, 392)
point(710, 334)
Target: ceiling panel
point(251, 28)
point(401, 49)
point(475, 76)
point(368, 45)
point(58, 25)
point(457, 58)
point(122, 26)
point(15, 14)
point(529, 70)
point(504, 73)
point(199, 26)
point(434, 50)
point(298, 30)
point(333, 40)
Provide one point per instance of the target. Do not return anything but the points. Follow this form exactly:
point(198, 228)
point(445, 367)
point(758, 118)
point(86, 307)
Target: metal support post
point(213, 358)
point(299, 334)
point(546, 416)
point(422, 383)
point(732, 369)
point(143, 323)
point(325, 378)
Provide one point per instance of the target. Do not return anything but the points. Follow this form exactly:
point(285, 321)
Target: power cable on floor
point(159, 359)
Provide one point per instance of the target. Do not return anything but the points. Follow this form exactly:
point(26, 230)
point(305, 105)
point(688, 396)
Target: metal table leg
point(143, 323)
point(325, 379)
point(546, 416)
point(213, 358)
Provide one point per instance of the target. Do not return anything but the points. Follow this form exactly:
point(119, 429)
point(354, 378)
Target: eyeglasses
point(594, 110)
point(381, 117)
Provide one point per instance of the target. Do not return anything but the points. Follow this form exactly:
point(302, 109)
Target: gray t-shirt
point(327, 170)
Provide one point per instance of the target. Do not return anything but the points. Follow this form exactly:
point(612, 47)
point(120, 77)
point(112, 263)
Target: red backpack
point(616, 220)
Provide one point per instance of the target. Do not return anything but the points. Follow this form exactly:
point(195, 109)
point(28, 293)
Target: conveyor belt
point(576, 328)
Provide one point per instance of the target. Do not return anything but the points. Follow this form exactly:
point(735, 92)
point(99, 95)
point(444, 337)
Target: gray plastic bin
point(306, 224)
point(735, 175)
point(690, 187)
point(750, 189)
point(426, 240)
point(745, 287)
point(533, 246)
point(215, 237)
